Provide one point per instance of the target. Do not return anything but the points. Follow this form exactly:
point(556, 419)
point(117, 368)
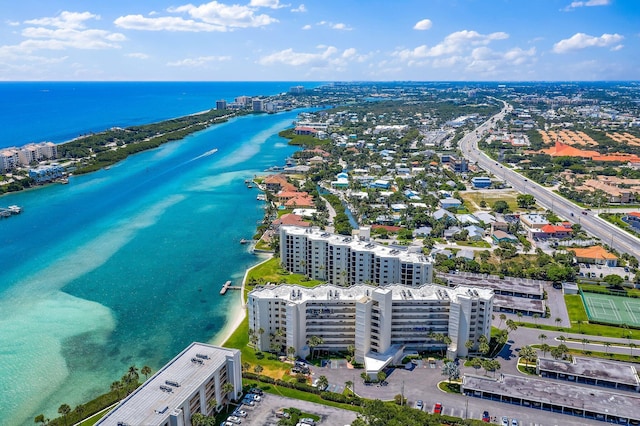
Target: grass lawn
point(271, 271)
point(449, 387)
point(575, 308)
point(472, 199)
point(261, 245)
point(240, 340)
point(603, 355)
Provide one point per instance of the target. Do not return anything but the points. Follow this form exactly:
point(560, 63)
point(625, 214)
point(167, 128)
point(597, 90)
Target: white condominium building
point(192, 382)
point(380, 322)
point(346, 260)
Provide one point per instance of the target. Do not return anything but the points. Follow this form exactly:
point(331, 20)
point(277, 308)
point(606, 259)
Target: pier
point(228, 286)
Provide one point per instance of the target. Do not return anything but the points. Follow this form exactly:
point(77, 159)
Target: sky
point(320, 40)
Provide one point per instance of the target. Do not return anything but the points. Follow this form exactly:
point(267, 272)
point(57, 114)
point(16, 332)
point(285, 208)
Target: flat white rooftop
point(298, 294)
point(148, 404)
point(356, 243)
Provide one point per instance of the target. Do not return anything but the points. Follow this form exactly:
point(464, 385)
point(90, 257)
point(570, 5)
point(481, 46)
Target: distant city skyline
point(313, 40)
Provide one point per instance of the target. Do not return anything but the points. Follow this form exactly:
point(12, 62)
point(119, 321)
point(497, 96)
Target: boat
point(243, 241)
point(14, 209)
point(249, 186)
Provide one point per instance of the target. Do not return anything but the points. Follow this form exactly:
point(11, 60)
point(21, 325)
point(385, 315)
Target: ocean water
point(60, 111)
point(124, 266)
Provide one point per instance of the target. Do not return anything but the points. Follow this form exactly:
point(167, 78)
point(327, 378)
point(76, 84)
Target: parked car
point(437, 409)
point(419, 405)
point(249, 402)
point(239, 413)
point(514, 422)
point(486, 417)
point(505, 421)
point(253, 397)
point(308, 421)
point(234, 419)
point(257, 391)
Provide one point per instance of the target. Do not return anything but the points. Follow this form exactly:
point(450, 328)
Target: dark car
point(486, 417)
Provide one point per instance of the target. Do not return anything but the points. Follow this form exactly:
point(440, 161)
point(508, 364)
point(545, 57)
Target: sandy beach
point(239, 311)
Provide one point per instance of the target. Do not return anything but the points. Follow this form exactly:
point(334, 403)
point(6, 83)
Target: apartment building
point(347, 260)
point(185, 386)
point(380, 322)
point(10, 158)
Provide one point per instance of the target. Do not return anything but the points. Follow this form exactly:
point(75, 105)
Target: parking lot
point(420, 383)
point(264, 412)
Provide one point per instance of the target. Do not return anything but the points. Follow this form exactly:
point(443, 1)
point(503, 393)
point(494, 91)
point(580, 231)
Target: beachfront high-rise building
point(183, 387)
point(382, 323)
point(244, 100)
point(221, 104)
point(296, 90)
point(257, 105)
point(347, 260)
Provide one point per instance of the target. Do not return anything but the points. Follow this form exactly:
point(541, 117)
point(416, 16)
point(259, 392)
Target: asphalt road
point(608, 233)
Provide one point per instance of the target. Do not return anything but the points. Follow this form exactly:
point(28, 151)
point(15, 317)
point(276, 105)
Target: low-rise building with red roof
point(595, 255)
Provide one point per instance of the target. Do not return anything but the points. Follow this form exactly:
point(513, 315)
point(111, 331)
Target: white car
point(505, 421)
point(234, 419)
point(240, 413)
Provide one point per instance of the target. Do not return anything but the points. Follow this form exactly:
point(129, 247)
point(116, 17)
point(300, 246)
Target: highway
point(608, 233)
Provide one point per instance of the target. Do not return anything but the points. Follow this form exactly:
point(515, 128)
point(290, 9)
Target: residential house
point(503, 237)
point(597, 255)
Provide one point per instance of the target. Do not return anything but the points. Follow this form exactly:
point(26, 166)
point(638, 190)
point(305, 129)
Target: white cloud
point(618, 47)
point(273, 4)
point(300, 9)
point(198, 62)
point(581, 41)
point(66, 30)
point(12, 23)
point(425, 24)
point(334, 26)
point(233, 16)
point(137, 55)
point(328, 57)
point(452, 44)
point(207, 17)
point(71, 20)
point(306, 27)
point(165, 23)
point(588, 3)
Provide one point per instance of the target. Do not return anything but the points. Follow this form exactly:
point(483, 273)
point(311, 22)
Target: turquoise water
point(124, 266)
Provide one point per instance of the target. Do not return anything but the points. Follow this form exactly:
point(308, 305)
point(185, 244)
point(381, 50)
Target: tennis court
point(612, 309)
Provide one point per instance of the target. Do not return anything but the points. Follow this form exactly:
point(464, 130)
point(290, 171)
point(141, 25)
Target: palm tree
point(228, 388)
point(535, 318)
point(291, 351)
point(468, 344)
point(132, 373)
point(562, 338)
point(349, 385)
point(511, 325)
point(64, 409)
point(606, 347)
point(447, 341)
point(323, 382)
point(631, 346)
point(503, 317)
point(584, 343)
point(528, 354)
point(365, 376)
point(519, 315)
point(146, 370)
point(542, 337)
point(245, 366)
point(116, 387)
point(199, 419)
point(39, 419)
point(212, 404)
point(258, 369)
point(545, 348)
point(313, 342)
point(484, 348)
point(579, 322)
point(558, 321)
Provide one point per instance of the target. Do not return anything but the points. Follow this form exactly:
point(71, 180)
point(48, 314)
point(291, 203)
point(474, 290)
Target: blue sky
point(320, 40)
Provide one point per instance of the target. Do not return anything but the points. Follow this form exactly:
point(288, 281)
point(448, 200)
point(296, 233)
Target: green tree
point(132, 374)
point(500, 206)
point(451, 370)
point(64, 409)
point(258, 369)
point(116, 387)
point(314, 342)
point(323, 382)
point(525, 200)
point(199, 419)
point(39, 419)
point(146, 370)
point(528, 354)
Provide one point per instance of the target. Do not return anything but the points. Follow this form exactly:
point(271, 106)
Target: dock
point(228, 286)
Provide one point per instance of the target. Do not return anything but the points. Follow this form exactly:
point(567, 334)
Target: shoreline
point(239, 311)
